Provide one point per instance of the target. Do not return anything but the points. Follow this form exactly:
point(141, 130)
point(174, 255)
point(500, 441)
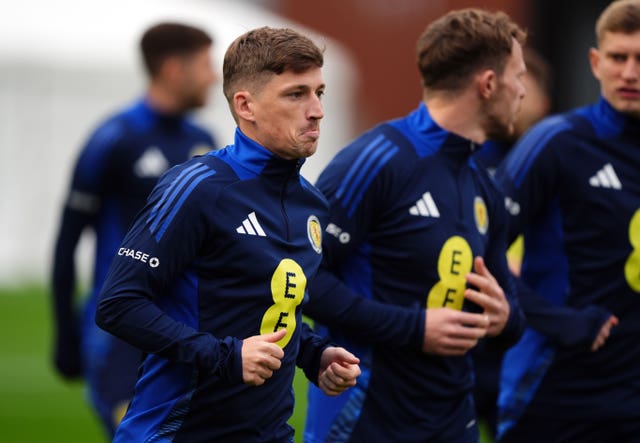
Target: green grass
point(35, 404)
point(38, 406)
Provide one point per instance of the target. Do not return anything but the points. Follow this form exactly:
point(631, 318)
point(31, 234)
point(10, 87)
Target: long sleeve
point(142, 278)
point(67, 356)
point(530, 178)
point(81, 206)
point(311, 348)
point(333, 303)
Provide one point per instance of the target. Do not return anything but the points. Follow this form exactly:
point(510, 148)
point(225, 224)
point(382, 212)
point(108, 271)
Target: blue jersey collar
point(249, 158)
point(613, 121)
point(431, 137)
point(146, 115)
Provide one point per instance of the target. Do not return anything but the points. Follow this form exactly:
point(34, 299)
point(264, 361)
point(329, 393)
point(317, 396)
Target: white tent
point(66, 64)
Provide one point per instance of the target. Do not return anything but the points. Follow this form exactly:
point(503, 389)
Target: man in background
point(414, 269)
point(114, 173)
point(573, 189)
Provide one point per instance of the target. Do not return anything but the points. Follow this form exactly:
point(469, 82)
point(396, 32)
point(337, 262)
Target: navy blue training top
point(573, 189)
point(409, 211)
point(224, 250)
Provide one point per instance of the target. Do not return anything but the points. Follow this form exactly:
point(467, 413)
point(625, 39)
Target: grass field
point(35, 404)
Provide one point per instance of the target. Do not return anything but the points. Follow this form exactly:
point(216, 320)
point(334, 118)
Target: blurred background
point(66, 65)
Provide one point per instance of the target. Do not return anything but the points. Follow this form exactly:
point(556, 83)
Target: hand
point(489, 296)
point(452, 332)
point(338, 370)
point(604, 332)
point(261, 356)
point(67, 357)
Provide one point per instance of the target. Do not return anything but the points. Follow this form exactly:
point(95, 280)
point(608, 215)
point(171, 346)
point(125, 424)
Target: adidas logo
point(606, 178)
point(250, 226)
point(425, 207)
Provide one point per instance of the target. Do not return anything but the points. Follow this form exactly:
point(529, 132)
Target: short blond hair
point(620, 16)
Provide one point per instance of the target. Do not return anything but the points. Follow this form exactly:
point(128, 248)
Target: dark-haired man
point(115, 171)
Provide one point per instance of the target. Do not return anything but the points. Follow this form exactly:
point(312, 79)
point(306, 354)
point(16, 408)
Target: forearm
point(140, 322)
point(62, 293)
point(337, 306)
point(311, 347)
point(63, 273)
point(565, 325)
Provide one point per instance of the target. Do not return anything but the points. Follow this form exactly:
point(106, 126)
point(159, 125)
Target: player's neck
point(457, 113)
point(163, 101)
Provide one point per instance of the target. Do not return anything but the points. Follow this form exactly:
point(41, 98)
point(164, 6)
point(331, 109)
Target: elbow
point(105, 316)
point(101, 318)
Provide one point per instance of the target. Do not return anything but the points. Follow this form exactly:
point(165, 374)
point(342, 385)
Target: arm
point(333, 369)
point(128, 305)
point(80, 211)
point(335, 304)
point(67, 357)
point(530, 177)
point(566, 326)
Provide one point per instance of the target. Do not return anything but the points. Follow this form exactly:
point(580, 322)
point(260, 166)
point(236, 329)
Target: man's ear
point(487, 83)
point(594, 61)
point(243, 105)
point(170, 69)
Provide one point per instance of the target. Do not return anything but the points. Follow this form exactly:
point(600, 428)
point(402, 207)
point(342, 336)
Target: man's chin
point(309, 150)
point(503, 135)
point(631, 111)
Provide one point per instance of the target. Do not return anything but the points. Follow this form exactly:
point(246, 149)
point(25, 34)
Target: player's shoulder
point(109, 132)
point(374, 157)
point(374, 149)
point(557, 129)
point(545, 137)
point(196, 129)
point(201, 176)
point(548, 131)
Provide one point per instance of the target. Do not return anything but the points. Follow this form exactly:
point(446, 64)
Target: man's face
point(616, 65)
point(287, 112)
point(502, 109)
point(196, 77)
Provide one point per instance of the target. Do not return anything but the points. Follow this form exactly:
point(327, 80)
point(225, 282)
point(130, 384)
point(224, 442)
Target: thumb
point(275, 336)
point(344, 356)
